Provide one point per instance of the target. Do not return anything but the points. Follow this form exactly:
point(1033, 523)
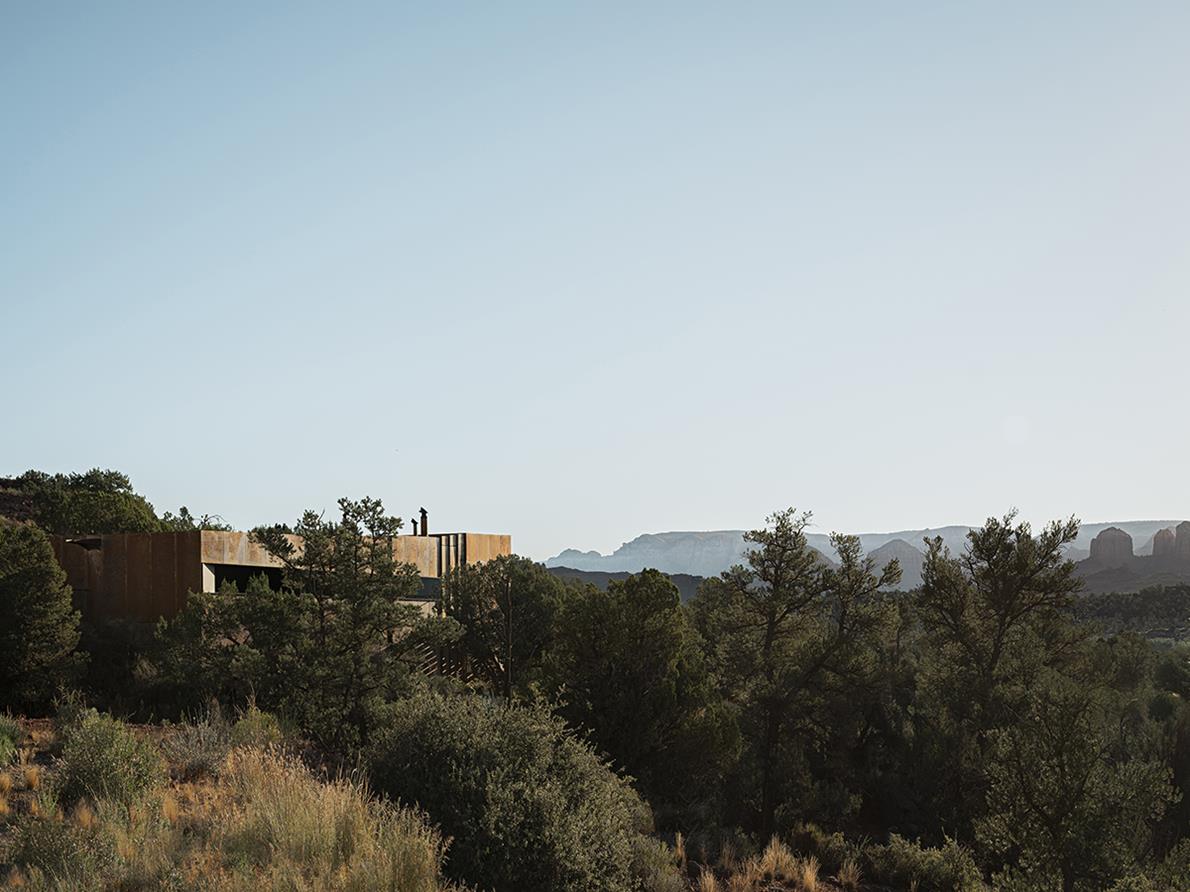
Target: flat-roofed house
point(146, 576)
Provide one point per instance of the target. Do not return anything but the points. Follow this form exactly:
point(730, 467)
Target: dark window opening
point(431, 589)
point(240, 575)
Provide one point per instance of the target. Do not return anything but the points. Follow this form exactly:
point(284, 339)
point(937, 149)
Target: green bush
point(831, 849)
point(1174, 869)
point(103, 759)
point(256, 727)
point(527, 805)
point(65, 853)
point(654, 866)
point(11, 734)
point(899, 864)
point(902, 863)
point(1133, 883)
point(69, 711)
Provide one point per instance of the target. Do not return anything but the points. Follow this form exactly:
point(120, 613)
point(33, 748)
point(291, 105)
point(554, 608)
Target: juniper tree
point(1067, 798)
point(358, 630)
point(628, 667)
point(39, 628)
point(506, 608)
point(779, 627)
point(93, 502)
point(994, 618)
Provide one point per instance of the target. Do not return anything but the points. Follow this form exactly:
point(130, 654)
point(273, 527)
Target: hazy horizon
point(578, 274)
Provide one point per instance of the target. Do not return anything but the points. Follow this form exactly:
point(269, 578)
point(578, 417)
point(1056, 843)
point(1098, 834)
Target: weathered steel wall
point(138, 576)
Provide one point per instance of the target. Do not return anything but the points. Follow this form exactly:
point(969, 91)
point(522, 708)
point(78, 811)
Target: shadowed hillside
point(687, 585)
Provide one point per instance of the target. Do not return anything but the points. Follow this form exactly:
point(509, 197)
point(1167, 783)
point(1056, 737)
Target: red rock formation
point(1164, 543)
point(1113, 547)
point(1182, 543)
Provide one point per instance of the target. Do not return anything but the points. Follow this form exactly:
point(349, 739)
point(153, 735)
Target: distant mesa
point(1105, 553)
point(1112, 548)
point(709, 553)
point(572, 557)
point(704, 554)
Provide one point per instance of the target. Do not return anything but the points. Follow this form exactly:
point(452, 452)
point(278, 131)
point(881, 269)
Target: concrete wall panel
point(234, 548)
point(421, 551)
point(482, 547)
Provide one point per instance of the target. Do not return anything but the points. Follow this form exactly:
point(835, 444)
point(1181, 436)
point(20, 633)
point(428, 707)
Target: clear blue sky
point(581, 271)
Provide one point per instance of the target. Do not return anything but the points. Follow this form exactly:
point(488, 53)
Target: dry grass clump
point(777, 862)
point(849, 875)
point(32, 777)
point(727, 856)
point(747, 879)
point(334, 831)
point(263, 822)
point(776, 868)
point(5, 783)
point(170, 810)
point(84, 816)
point(43, 738)
point(807, 874)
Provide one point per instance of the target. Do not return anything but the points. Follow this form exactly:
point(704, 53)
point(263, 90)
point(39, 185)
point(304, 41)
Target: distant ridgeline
point(705, 554)
point(1106, 558)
